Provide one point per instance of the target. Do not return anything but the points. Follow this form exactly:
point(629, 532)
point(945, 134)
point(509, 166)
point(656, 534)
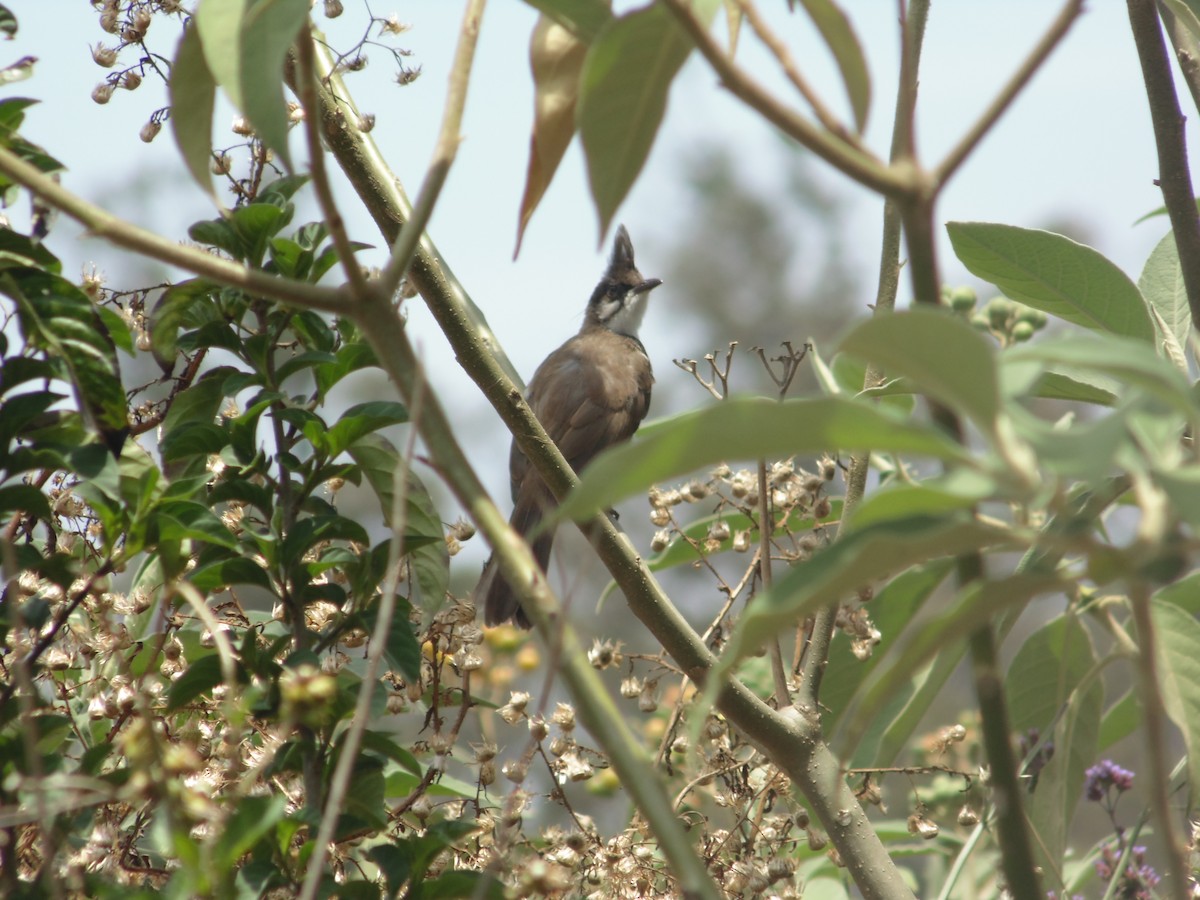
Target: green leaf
point(213, 577)
point(957, 490)
point(201, 676)
point(315, 529)
point(403, 652)
point(943, 355)
point(624, 87)
point(270, 29)
point(940, 640)
point(843, 43)
point(219, 24)
point(748, 428)
point(380, 462)
point(24, 498)
point(1161, 284)
point(253, 818)
point(365, 795)
point(8, 23)
point(892, 610)
point(556, 56)
point(1128, 361)
point(1121, 719)
point(193, 95)
point(859, 558)
point(23, 251)
point(59, 319)
point(245, 45)
point(585, 18)
point(1055, 670)
point(361, 420)
point(180, 520)
point(1178, 655)
point(1054, 274)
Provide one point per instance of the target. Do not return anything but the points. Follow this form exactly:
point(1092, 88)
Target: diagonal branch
point(1034, 61)
point(856, 162)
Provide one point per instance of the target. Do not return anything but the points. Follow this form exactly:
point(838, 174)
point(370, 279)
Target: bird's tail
point(500, 603)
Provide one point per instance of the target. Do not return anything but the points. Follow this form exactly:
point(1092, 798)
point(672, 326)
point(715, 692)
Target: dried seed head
point(104, 56)
point(605, 654)
point(661, 539)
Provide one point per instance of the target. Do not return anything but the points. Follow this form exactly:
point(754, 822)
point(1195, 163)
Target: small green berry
point(1034, 317)
point(1022, 331)
point(963, 299)
point(998, 310)
point(980, 321)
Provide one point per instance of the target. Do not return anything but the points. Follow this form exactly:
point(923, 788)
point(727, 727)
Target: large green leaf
point(1055, 673)
point(749, 428)
point(940, 353)
point(1054, 274)
point(843, 43)
point(941, 639)
point(1178, 656)
point(193, 95)
point(854, 561)
point(1110, 356)
point(556, 56)
point(59, 319)
point(624, 87)
point(585, 18)
point(891, 611)
point(431, 562)
point(1161, 283)
point(245, 44)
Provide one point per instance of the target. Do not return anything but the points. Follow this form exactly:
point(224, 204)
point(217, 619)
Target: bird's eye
point(615, 290)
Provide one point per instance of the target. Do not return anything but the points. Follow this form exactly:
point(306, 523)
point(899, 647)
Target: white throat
point(626, 316)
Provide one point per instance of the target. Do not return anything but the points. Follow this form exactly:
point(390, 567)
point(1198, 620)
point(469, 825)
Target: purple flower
point(1103, 777)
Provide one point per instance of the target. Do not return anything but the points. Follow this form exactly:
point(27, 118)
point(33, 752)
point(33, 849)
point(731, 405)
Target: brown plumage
point(590, 393)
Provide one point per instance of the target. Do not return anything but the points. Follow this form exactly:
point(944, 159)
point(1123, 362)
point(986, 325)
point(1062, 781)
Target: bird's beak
point(648, 285)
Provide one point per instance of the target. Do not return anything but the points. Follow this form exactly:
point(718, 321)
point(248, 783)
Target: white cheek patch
point(625, 316)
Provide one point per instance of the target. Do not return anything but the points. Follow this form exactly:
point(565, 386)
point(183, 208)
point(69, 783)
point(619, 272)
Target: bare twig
point(153, 246)
point(1037, 56)
point(444, 152)
point(307, 84)
point(783, 55)
point(858, 163)
point(718, 387)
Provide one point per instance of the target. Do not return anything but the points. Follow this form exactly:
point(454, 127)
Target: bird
point(589, 394)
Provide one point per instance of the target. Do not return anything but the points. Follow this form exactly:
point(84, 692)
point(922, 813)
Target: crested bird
point(589, 394)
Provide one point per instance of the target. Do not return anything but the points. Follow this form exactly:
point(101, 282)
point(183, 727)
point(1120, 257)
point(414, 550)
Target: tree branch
point(1174, 178)
point(858, 163)
point(1034, 61)
point(792, 742)
point(125, 234)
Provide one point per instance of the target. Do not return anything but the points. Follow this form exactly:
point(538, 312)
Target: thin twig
point(912, 38)
point(766, 525)
point(332, 217)
point(858, 163)
point(444, 152)
point(1034, 61)
point(1154, 716)
point(103, 224)
point(783, 55)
